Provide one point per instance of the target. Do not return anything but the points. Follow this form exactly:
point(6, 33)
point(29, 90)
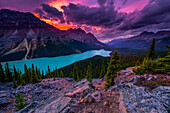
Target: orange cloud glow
point(55, 23)
point(57, 4)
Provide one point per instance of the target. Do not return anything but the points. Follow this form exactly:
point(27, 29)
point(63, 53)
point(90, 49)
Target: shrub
point(20, 101)
point(139, 71)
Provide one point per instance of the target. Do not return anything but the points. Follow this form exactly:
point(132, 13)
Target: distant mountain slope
point(143, 41)
point(22, 36)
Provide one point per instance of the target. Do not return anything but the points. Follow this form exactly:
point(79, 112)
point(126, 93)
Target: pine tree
point(2, 74)
point(34, 75)
point(38, 72)
point(56, 72)
point(75, 72)
point(16, 73)
point(49, 72)
point(102, 73)
point(30, 75)
point(71, 74)
point(19, 80)
point(8, 73)
point(43, 74)
point(89, 73)
point(54, 75)
point(61, 74)
point(113, 67)
point(26, 75)
point(23, 82)
point(14, 84)
point(151, 53)
point(137, 63)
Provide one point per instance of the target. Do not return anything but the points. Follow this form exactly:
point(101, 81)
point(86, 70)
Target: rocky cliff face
point(143, 41)
point(23, 36)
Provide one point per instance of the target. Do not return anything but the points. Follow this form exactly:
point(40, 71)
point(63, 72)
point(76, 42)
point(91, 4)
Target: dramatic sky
point(106, 19)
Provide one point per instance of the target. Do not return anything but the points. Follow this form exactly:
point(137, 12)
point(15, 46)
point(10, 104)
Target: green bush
point(20, 101)
point(139, 71)
point(151, 66)
point(159, 71)
point(147, 65)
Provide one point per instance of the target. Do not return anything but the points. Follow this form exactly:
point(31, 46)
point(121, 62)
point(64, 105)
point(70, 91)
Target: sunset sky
point(106, 19)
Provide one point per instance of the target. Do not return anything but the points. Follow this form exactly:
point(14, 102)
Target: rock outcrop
point(138, 99)
point(53, 96)
point(65, 95)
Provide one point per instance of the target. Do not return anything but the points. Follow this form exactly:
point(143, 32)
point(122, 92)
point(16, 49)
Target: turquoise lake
point(59, 62)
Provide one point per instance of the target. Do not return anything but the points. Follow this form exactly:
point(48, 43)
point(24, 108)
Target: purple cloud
point(39, 11)
point(22, 5)
point(53, 12)
point(105, 16)
point(154, 16)
point(155, 12)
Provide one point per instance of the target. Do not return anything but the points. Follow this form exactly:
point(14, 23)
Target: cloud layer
point(104, 18)
point(155, 14)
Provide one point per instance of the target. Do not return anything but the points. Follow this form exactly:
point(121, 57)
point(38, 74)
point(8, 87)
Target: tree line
point(90, 68)
point(30, 76)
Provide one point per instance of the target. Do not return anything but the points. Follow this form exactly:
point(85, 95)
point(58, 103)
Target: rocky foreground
point(64, 95)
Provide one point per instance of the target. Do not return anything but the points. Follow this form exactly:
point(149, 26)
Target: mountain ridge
point(143, 41)
point(24, 36)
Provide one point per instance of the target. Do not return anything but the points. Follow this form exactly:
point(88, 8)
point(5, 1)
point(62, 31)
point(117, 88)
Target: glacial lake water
point(59, 62)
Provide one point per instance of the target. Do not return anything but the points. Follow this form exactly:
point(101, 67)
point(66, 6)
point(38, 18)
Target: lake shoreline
point(59, 61)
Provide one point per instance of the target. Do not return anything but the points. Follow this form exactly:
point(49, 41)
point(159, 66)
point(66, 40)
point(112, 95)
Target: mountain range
point(141, 43)
point(24, 36)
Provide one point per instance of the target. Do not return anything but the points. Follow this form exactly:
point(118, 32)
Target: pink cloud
point(139, 5)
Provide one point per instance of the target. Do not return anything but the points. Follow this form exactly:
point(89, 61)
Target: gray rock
point(96, 95)
point(138, 99)
point(56, 106)
point(20, 87)
point(4, 97)
point(113, 88)
point(2, 88)
point(69, 79)
point(53, 97)
point(4, 94)
point(89, 99)
point(4, 101)
point(80, 89)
